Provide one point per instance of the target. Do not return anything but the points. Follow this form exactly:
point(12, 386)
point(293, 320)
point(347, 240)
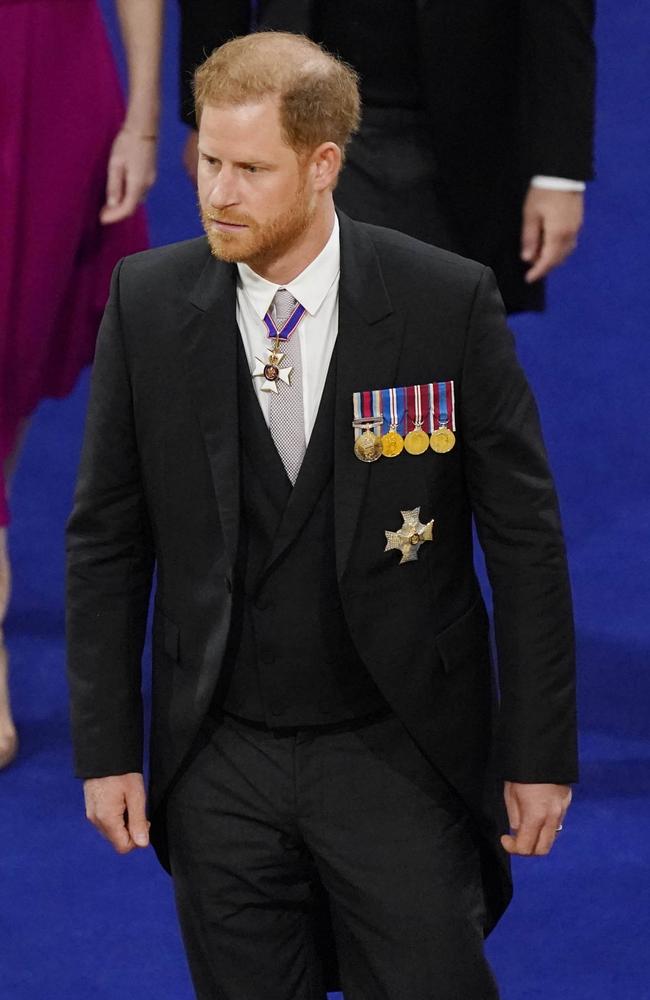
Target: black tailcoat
point(159, 484)
point(508, 91)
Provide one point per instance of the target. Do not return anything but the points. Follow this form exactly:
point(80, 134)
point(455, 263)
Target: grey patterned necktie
point(286, 411)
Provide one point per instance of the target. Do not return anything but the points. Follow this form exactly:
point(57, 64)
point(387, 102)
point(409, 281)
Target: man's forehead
point(242, 130)
point(266, 109)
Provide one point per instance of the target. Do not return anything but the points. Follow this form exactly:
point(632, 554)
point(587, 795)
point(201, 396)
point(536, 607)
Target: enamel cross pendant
point(271, 373)
point(410, 536)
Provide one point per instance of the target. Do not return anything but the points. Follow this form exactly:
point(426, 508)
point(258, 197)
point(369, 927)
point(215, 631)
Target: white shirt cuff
point(557, 183)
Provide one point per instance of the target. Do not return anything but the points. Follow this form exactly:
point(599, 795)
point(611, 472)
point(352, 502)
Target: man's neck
point(293, 262)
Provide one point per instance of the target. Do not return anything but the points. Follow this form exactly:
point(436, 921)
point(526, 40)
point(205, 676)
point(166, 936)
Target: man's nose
point(224, 189)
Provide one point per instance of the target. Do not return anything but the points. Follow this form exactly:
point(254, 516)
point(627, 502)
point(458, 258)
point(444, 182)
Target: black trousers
point(258, 819)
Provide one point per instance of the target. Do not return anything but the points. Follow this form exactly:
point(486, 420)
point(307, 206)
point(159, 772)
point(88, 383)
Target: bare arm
point(132, 163)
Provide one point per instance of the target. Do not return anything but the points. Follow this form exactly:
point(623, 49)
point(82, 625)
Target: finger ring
point(559, 829)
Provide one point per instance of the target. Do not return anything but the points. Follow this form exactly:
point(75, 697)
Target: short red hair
point(318, 94)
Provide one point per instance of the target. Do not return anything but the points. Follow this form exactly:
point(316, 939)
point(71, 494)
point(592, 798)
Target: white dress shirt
point(317, 289)
point(556, 183)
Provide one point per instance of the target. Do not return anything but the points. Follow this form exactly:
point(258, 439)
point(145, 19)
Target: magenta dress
point(60, 108)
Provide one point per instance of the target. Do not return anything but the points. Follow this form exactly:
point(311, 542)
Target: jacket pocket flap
point(465, 638)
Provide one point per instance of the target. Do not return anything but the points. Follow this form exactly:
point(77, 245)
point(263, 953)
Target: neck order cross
point(286, 410)
point(287, 313)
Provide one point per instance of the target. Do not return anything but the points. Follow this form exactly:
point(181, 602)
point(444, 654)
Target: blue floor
point(76, 921)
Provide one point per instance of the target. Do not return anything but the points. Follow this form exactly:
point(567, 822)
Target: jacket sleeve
point(109, 569)
point(558, 79)
point(204, 25)
point(518, 523)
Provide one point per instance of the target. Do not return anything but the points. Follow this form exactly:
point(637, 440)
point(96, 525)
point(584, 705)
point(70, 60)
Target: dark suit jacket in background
point(508, 87)
point(159, 483)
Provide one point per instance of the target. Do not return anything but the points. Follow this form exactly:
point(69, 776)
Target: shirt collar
point(309, 288)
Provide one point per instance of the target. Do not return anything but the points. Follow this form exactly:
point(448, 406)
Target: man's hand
point(535, 812)
point(551, 223)
point(191, 155)
point(116, 807)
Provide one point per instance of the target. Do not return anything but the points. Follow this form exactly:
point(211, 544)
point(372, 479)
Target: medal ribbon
point(285, 331)
point(402, 409)
point(410, 408)
point(393, 409)
point(413, 407)
point(444, 410)
point(367, 405)
point(451, 405)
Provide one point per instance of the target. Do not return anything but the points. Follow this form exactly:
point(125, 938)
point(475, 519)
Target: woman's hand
point(131, 172)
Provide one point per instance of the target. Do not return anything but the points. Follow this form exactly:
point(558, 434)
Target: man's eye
point(251, 169)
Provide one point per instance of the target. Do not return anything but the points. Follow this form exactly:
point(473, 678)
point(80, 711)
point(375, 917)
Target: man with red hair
point(295, 420)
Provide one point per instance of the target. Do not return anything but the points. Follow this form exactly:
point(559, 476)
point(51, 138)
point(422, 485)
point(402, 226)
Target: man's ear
point(326, 163)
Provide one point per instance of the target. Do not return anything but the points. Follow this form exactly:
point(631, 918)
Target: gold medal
point(442, 412)
point(367, 427)
point(392, 443)
point(367, 447)
point(443, 440)
point(416, 441)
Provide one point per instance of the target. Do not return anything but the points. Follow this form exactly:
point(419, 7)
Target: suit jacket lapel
point(210, 346)
point(368, 349)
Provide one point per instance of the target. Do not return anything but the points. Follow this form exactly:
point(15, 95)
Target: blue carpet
point(77, 921)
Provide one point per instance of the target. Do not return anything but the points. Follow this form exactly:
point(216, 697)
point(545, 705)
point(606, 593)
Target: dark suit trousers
point(258, 818)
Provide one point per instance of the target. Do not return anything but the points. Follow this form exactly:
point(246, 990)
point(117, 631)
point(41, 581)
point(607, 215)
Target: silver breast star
point(273, 366)
point(410, 536)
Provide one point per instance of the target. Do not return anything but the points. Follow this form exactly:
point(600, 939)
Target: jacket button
point(263, 604)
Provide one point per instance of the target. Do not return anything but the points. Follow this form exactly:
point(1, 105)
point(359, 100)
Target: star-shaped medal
point(271, 372)
point(410, 536)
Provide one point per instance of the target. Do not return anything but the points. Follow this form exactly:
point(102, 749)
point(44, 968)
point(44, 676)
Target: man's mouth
point(227, 227)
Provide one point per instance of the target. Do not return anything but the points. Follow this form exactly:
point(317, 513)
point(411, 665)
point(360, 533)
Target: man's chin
point(227, 247)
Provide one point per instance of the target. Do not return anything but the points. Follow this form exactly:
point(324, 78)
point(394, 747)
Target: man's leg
point(242, 877)
point(394, 848)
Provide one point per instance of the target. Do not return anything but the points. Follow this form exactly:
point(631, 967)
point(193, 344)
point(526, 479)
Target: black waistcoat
point(290, 659)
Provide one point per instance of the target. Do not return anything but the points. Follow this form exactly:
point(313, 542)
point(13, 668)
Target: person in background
point(477, 127)
point(294, 421)
point(74, 170)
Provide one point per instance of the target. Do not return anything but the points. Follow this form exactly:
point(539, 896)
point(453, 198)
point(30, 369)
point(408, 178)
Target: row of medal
point(411, 418)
